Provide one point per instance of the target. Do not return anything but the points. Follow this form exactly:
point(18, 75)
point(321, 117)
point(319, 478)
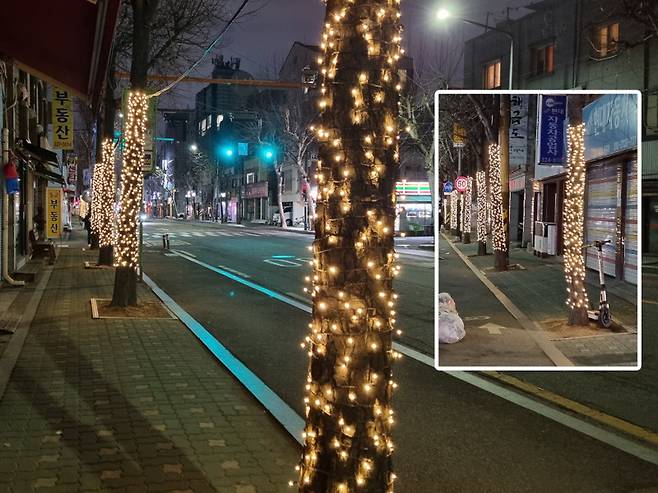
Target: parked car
point(287, 211)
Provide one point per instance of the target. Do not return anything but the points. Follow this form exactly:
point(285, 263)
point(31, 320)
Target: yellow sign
point(53, 212)
point(458, 135)
point(62, 119)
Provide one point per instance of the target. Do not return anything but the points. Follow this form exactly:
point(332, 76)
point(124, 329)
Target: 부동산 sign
point(610, 125)
point(53, 212)
point(62, 119)
point(552, 115)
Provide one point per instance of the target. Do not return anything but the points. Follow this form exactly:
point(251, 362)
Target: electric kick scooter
point(603, 313)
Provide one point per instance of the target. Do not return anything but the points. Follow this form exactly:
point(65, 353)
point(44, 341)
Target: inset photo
point(538, 230)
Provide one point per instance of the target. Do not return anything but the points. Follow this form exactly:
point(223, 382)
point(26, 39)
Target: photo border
point(437, 229)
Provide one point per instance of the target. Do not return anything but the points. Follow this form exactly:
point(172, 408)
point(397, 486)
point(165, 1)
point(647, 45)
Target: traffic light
point(268, 153)
point(226, 152)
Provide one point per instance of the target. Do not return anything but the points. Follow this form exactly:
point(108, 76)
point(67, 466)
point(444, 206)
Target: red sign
point(461, 184)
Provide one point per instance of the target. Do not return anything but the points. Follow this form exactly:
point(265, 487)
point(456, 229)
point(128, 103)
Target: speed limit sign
point(461, 183)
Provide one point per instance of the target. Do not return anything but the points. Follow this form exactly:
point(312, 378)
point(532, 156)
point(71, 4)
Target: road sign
point(461, 183)
point(447, 187)
point(458, 135)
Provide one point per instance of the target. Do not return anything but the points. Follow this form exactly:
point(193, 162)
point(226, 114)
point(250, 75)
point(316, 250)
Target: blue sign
point(610, 125)
point(447, 187)
point(552, 130)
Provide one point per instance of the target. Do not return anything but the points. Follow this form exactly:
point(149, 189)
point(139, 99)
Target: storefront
point(255, 202)
point(414, 207)
point(611, 193)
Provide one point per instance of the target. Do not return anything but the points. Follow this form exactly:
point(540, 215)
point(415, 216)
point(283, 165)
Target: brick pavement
point(128, 405)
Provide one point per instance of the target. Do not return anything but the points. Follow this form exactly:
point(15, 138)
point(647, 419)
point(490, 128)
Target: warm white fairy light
point(103, 196)
point(132, 184)
point(481, 182)
point(454, 209)
point(574, 219)
point(348, 391)
point(466, 206)
point(497, 221)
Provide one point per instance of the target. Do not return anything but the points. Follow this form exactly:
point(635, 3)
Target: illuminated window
point(543, 60)
point(606, 40)
point(251, 178)
point(492, 75)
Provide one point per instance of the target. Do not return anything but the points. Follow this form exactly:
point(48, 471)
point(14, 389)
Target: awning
point(65, 43)
point(43, 162)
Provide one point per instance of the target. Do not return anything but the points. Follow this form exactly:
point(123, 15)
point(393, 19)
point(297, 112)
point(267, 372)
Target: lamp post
point(444, 14)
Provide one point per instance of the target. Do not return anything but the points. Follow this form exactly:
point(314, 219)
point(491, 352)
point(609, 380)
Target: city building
point(580, 44)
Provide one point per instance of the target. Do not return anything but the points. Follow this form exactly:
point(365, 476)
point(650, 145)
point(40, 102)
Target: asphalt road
point(451, 437)
point(493, 336)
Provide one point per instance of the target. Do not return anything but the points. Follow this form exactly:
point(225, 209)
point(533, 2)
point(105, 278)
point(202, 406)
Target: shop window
point(605, 40)
point(543, 59)
point(492, 75)
point(251, 178)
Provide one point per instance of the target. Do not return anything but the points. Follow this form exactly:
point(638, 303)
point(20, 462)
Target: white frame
point(462, 92)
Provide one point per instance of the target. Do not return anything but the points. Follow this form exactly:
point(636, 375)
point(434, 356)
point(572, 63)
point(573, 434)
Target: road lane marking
point(236, 272)
point(493, 328)
point(297, 297)
point(187, 253)
point(280, 262)
point(532, 328)
point(245, 282)
point(566, 403)
point(560, 416)
point(276, 406)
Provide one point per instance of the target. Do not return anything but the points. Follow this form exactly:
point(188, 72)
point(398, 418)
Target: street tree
point(348, 444)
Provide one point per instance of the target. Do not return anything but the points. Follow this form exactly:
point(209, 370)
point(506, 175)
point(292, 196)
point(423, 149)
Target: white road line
point(224, 233)
point(299, 297)
point(237, 272)
point(575, 423)
point(186, 253)
point(250, 234)
point(280, 262)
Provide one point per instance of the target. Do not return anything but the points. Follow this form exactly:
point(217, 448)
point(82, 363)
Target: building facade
point(580, 44)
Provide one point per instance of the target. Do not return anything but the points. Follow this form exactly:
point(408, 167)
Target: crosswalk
point(182, 237)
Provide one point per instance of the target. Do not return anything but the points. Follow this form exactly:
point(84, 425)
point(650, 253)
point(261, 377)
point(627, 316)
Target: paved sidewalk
point(128, 405)
point(538, 290)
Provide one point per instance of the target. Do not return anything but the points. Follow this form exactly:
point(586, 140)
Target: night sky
point(263, 40)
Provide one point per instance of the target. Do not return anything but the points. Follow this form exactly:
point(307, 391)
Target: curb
point(535, 330)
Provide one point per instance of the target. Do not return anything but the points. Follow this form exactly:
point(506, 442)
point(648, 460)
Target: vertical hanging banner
point(53, 212)
point(552, 116)
point(148, 166)
point(62, 119)
point(458, 135)
point(518, 130)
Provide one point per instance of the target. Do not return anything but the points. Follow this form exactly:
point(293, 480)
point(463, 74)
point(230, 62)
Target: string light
point(103, 195)
point(480, 180)
point(466, 206)
point(454, 209)
point(127, 246)
point(347, 436)
point(497, 222)
point(574, 219)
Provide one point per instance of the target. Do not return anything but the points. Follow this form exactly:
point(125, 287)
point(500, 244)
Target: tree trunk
point(348, 444)
point(279, 197)
point(132, 180)
point(574, 216)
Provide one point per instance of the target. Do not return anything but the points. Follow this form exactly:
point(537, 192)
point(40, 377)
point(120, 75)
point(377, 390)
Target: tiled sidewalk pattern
point(128, 405)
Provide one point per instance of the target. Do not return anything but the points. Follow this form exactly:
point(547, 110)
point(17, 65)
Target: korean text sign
point(551, 129)
point(53, 212)
point(62, 119)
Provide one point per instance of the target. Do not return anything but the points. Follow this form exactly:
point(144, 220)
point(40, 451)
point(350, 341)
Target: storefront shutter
point(601, 214)
point(630, 234)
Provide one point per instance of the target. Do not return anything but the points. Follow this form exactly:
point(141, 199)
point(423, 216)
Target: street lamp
point(444, 14)
point(194, 147)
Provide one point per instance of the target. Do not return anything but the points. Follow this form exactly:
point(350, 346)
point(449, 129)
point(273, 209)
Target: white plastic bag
point(451, 326)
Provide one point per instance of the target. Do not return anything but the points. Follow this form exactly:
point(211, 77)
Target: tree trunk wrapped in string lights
point(496, 197)
point(454, 211)
point(467, 198)
point(348, 444)
point(103, 219)
point(574, 222)
point(481, 182)
point(127, 245)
